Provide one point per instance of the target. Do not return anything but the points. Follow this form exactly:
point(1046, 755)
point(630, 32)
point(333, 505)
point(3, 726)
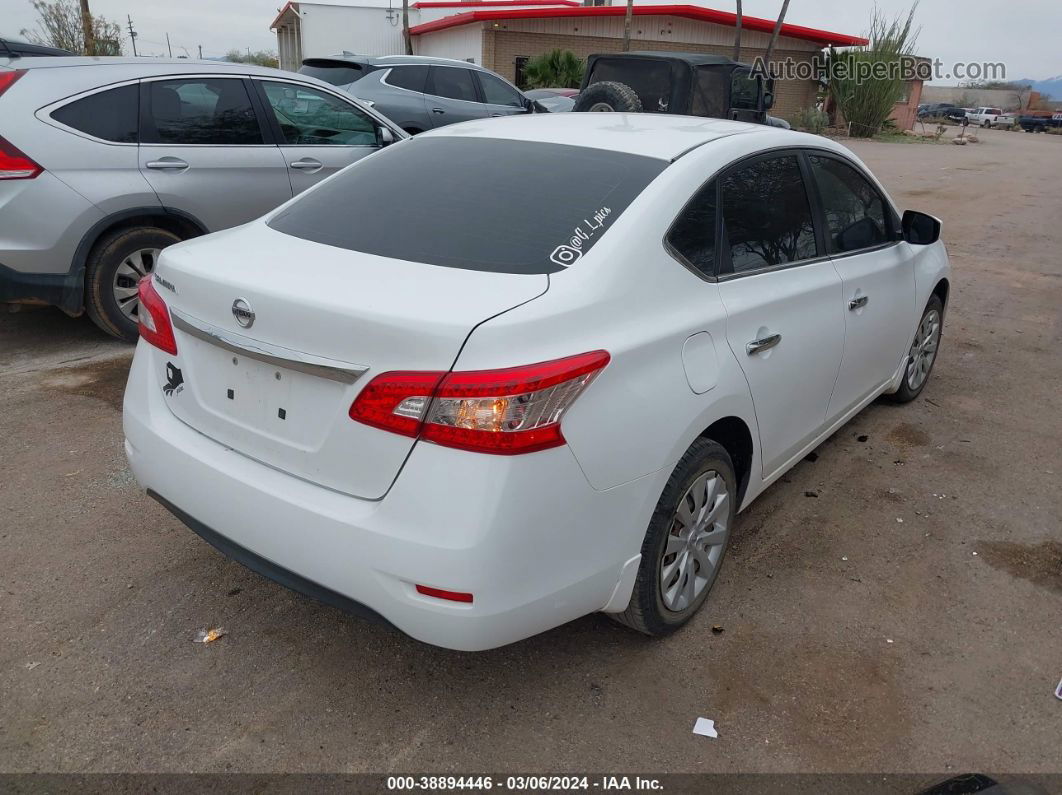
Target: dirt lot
point(853, 641)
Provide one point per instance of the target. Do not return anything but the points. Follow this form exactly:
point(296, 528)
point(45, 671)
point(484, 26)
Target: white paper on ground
point(705, 727)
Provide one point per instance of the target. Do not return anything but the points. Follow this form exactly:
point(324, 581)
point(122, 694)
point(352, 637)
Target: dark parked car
point(1035, 124)
point(11, 48)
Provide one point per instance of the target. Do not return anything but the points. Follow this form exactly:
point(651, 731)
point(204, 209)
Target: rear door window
point(452, 82)
point(200, 110)
point(111, 115)
point(766, 216)
point(411, 78)
point(536, 208)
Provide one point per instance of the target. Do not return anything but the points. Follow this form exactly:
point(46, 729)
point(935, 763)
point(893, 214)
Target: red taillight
point(510, 411)
point(14, 164)
point(439, 593)
point(154, 318)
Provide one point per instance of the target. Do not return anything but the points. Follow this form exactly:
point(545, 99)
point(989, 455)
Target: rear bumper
point(528, 536)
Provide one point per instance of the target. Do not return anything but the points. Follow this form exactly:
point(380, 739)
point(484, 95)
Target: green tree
point(865, 82)
point(59, 24)
point(555, 69)
point(259, 58)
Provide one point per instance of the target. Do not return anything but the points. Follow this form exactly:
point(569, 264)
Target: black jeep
point(688, 83)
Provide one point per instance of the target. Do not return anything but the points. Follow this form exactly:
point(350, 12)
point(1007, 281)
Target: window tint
point(497, 92)
point(337, 74)
point(854, 210)
point(423, 201)
point(409, 77)
point(693, 233)
point(766, 216)
point(111, 115)
point(200, 111)
point(453, 83)
point(310, 117)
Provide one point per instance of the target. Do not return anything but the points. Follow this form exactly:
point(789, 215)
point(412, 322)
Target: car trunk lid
point(277, 335)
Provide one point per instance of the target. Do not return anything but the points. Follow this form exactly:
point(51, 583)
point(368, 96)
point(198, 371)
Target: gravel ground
point(905, 618)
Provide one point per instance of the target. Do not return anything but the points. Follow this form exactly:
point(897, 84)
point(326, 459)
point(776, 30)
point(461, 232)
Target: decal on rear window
point(567, 253)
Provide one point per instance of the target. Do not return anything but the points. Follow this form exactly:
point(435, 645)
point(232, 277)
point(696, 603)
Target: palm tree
point(737, 33)
point(555, 69)
point(627, 26)
point(774, 34)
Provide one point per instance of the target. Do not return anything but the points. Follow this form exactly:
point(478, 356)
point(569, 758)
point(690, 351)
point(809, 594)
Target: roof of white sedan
point(659, 135)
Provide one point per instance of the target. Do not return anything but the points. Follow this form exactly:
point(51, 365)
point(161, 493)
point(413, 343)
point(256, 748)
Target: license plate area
point(258, 406)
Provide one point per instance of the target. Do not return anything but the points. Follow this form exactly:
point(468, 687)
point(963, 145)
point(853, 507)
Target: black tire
point(906, 393)
point(109, 253)
point(647, 612)
point(608, 96)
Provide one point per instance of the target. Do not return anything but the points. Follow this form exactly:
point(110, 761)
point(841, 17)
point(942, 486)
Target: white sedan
point(512, 372)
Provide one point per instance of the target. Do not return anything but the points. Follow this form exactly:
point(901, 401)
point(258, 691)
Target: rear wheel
point(117, 263)
point(608, 97)
point(686, 541)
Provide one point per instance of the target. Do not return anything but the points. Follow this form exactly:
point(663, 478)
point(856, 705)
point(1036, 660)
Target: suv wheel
point(117, 263)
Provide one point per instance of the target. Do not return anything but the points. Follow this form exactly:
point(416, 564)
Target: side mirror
point(920, 229)
point(384, 136)
point(768, 100)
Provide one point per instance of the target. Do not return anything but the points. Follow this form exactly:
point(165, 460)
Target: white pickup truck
point(990, 117)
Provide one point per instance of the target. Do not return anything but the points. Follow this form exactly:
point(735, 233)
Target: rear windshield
point(474, 203)
point(334, 72)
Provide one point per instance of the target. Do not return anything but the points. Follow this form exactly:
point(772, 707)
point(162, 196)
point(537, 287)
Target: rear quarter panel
point(629, 296)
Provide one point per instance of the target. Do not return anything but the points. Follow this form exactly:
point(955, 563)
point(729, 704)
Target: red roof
point(821, 37)
point(467, 3)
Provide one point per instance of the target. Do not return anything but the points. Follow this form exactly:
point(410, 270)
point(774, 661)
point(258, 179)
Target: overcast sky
point(1024, 34)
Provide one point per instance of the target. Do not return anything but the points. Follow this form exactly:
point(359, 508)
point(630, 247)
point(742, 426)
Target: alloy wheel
point(923, 349)
point(694, 547)
point(127, 276)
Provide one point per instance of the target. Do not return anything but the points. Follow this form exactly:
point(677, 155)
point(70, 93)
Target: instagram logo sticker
point(565, 255)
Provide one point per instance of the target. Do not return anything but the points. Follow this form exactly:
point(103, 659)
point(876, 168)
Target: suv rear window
point(651, 80)
point(474, 203)
point(111, 115)
point(336, 73)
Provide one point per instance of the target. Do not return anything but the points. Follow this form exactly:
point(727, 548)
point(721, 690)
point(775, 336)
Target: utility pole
point(132, 34)
point(627, 26)
point(200, 52)
point(737, 33)
point(86, 28)
point(169, 49)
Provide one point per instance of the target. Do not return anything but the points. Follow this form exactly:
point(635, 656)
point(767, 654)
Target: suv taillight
point(14, 164)
point(510, 411)
point(153, 318)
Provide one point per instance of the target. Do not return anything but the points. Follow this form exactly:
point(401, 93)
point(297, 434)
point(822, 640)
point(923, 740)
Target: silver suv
point(419, 93)
point(106, 161)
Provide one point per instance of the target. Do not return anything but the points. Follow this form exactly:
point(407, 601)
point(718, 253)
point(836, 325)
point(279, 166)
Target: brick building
point(504, 34)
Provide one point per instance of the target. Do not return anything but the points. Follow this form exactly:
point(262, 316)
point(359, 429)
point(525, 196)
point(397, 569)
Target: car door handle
point(437, 110)
point(306, 164)
point(858, 303)
point(166, 164)
point(494, 115)
point(762, 344)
